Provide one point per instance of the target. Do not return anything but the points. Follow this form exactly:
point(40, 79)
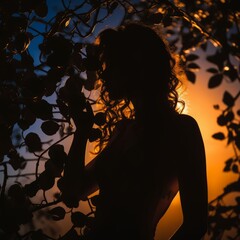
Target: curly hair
point(151, 69)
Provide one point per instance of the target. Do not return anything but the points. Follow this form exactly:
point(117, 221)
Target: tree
point(37, 96)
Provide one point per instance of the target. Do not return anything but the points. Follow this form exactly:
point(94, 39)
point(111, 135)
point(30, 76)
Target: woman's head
point(137, 61)
point(137, 64)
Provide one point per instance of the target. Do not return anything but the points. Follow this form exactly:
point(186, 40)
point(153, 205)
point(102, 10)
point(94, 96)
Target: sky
point(200, 101)
point(199, 104)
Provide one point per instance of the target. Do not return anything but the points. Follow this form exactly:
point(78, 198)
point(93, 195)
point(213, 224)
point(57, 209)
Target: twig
point(46, 205)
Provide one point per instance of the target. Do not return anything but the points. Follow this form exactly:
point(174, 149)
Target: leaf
point(222, 120)
point(215, 80)
point(53, 169)
point(229, 161)
point(57, 213)
point(232, 187)
point(95, 134)
point(193, 66)
point(17, 162)
point(230, 136)
point(16, 191)
point(89, 84)
point(42, 109)
point(227, 168)
point(219, 136)
point(56, 151)
point(49, 127)
point(74, 85)
point(191, 57)
point(228, 99)
point(100, 118)
point(191, 76)
point(218, 58)
point(229, 116)
point(235, 168)
point(33, 142)
point(78, 219)
point(46, 180)
point(212, 70)
point(31, 189)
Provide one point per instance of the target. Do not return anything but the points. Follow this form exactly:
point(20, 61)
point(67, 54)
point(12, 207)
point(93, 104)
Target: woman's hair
point(150, 66)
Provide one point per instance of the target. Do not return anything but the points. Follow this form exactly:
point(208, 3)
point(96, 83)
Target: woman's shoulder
point(188, 125)
point(186, 120)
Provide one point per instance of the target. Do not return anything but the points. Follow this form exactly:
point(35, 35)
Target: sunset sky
point(200, 101)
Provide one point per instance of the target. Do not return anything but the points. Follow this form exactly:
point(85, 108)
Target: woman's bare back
point(137, 177)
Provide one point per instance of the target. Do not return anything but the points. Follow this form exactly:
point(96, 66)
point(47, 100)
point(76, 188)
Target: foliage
point(50, 89)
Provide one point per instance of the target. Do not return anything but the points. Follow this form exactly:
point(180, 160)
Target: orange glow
point(199, 104)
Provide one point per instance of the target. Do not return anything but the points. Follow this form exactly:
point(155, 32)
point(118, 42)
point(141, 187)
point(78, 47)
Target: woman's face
point(115, 82)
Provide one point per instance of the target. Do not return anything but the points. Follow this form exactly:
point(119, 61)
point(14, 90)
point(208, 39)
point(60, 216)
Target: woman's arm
point(76, 176)
point(192, 183)
point(74, 170)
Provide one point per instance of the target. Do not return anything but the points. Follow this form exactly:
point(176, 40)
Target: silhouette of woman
point(149, 150)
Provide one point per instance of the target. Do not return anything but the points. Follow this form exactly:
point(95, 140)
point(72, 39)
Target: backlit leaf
point(46, 180)
point(42, 109)
point(233, 187)
point(78, 219)
point(228, 99)
point(219, 136)
point(191, 57)
point(100, 118)
point(215, 80)
point(193, 65)
point(49, 127)
point(33, 142)
point(212, 70)
point(191, 76)
point(235, 168)
point(95, 134)
point(57, 213)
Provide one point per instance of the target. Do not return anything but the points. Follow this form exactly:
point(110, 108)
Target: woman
point(148, 151)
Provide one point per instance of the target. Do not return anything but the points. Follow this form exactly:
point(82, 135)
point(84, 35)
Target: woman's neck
point(150, 109)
